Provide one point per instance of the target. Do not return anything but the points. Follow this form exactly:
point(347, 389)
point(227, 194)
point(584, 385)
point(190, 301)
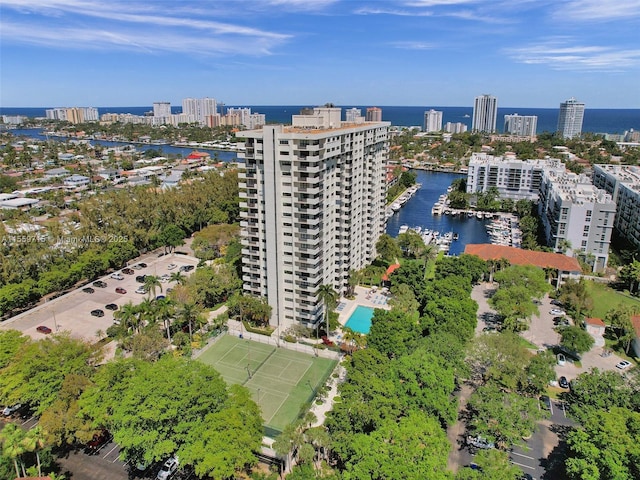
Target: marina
point(440, 240)
point(416, 212)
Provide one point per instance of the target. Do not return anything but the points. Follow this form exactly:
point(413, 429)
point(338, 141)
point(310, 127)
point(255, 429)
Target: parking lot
point(72, 311)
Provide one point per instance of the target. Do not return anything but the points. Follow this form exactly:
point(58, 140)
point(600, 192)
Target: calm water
point(598, 120)
point(222, 155)
point(417, 213)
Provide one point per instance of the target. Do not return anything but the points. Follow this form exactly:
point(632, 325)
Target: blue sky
point(528, 53)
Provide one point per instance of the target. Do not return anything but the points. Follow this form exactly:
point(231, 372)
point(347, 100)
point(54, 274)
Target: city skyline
point(293, 52)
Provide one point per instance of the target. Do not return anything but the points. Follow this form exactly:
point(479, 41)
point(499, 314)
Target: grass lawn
point(606, 298)
point(280, 381)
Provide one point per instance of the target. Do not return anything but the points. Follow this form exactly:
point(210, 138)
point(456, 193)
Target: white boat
point(403, 229)
point(395, 206)
point(479, 216)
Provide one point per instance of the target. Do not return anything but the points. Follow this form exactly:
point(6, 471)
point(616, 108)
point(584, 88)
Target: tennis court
point(281, 381)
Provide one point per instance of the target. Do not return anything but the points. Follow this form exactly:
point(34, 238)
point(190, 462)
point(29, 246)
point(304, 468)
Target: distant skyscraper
point(352, 115)
point(570, 118)
point(432, 121)
point(485, 114)
point(457, 127)
point(200, 108)
point(161, 109)
point(522, 125)
point(374, 114)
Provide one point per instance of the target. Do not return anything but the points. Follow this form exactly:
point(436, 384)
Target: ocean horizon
point(596, 120)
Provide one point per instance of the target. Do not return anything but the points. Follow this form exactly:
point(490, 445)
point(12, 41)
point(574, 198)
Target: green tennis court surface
point(281, 381)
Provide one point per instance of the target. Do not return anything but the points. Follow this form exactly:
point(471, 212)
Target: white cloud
point(598, 10)
point(409, 45)
point(557, 54)
point(78, 24)
point(396, 12)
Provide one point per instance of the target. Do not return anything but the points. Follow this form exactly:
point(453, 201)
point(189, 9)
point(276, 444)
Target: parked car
point(623, 365)
point(186, 268)
point(141, 289)
point(97, 313)
point(142, 265)
point(98, 441)
point(557, 303)
point(562, 381)
point(43, 329)
point(140, 278)
point(111, 306)
point(557, 311)
point(11, 409)
point(168, 468)
point(88, 290)
point(100, 284)
point(161, 254)
point(128, 271)
point(117, 276)
point(171, 266)
point(121, 290)
point(480, 442)
point(164, 278)
point(561, 359)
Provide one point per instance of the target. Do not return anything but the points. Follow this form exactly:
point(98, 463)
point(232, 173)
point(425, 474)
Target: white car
point(168, 468)
point(164, 278)
point(623, 365)
point(557, 311)
point(171, 266)
point(141, 289)
point(11, 409)
point(117, 276)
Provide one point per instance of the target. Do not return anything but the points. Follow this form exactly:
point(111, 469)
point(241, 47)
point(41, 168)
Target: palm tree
point(165, 311)
point(177, 277)
point(129, 315)
point(563, 246)
point(328, 296)
point(34, 442)
point(191, 314)
point(353, 281)
point(151, 283)
point(12, 437)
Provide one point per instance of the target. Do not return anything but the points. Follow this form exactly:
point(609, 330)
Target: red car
point(43, 329)
point(120, 290)
point(99, 439)
point(128, 271)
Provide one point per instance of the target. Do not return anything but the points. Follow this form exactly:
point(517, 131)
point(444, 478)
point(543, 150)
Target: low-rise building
point(76, 181)
point(513, 178)
point(595, 327)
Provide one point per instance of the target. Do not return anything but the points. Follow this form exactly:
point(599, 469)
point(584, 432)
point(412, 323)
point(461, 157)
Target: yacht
point(403, 229)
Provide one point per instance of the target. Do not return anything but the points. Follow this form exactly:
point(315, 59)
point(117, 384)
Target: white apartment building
point(622, 182)
point(514, 178)
point(577, 216)
point(457, 127)
point(570, 118)
point(73, 114)
point(162, 109)
point(432, 121)
point(199, 108)
point(312, 209)
point(521, 125)
point(353, 115)
point(485, 114)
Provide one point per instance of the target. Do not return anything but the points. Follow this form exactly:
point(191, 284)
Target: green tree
point(619, 320)
point(153, 414)
point(576, 339)
point(172, 236)
point(388, 250)
point(11, 341)
point(34, 441)
point(393, 333)
point(39, 369)
point(598, 390)
point(575, 296)
point(12, 439)
point(151, 284)
point(494, 464)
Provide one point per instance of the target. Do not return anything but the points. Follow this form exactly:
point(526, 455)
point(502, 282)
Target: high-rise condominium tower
point(521, 125)
point(432, 121)
point(312, 209)
point(161, 109)
point(485, 113)
point(570, 118)
point(200, 108)
point(374, 114)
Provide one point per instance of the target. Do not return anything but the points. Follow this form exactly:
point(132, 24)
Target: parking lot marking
point(107, 454)
point(523, 465)
point(521, 455)
point(26, 421)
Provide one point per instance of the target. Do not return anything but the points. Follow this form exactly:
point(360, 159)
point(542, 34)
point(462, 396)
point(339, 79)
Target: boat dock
point(399, 202)
point(505, 230)
point(432, 237)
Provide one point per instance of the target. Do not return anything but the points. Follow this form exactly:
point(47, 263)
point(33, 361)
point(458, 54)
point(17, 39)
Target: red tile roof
point(518, 256)
point(594, 321)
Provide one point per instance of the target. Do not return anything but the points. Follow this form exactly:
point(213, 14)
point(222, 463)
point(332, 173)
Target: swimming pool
point(360, 319)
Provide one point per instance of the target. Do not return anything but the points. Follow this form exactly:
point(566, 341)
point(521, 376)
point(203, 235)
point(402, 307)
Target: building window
point(584, 243)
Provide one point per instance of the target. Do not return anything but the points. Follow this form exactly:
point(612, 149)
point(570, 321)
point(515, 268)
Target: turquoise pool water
point(360, 319)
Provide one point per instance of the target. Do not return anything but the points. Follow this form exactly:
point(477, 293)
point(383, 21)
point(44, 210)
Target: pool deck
point(367, 297)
